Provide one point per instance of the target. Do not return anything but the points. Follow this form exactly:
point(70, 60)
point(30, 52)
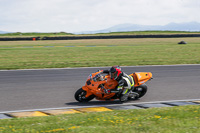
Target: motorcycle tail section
point(141, 77)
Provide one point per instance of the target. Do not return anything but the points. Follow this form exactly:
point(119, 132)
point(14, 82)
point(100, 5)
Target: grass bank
point(166, 120)
point(108, 52)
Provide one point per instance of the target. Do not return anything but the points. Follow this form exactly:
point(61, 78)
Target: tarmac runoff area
point(89, 109)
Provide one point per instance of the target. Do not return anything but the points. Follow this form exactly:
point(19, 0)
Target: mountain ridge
point(189, 26)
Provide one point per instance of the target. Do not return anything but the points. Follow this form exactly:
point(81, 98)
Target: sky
point(90, 15)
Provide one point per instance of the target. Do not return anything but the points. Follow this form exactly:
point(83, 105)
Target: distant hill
point(3, 32)
point(190, 26)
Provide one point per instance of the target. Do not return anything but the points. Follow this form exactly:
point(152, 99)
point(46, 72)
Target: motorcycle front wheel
point(80, 96)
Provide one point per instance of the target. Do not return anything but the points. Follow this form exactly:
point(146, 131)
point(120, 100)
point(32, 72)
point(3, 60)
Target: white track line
point(124, 104)
point(102, 67)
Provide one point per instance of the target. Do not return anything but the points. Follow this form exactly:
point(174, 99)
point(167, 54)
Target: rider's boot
point(124, 95)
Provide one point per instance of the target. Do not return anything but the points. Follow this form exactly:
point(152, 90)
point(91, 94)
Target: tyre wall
point(98, 37)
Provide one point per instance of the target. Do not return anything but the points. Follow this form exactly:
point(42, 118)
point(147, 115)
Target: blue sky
point(89, 15)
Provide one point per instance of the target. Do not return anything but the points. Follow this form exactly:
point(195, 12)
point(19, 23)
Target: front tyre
point(141, 90)
point(80, 96)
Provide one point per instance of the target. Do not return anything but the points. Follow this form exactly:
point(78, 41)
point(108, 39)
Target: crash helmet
point(115, 72)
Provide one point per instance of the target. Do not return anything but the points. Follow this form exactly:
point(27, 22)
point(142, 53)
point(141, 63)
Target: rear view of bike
point(140, 88)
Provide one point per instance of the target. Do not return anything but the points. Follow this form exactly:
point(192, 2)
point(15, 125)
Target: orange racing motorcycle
point(97, 83)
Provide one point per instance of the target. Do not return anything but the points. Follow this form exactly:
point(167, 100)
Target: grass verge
point(125, 52)
point(166, 120)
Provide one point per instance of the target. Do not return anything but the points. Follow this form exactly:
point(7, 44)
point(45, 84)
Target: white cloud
point(87, 15)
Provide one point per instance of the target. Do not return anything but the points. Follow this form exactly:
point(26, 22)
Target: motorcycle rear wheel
point(80, 96)
point(141, 90)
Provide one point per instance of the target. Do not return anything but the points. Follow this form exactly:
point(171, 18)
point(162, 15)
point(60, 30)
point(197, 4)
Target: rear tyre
point(80, 96)
point(141, 90)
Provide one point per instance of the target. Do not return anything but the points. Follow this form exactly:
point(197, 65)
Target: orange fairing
point(96, 84)
point(110, 84)
point(141, 77)
point(95, 87)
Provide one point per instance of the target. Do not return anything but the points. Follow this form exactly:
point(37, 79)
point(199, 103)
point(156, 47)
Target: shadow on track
point(97, 103)
point(93, 103)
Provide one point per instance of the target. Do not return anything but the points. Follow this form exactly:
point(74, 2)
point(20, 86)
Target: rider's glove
point(119, 88)
point(107, 91)
point(99, 70)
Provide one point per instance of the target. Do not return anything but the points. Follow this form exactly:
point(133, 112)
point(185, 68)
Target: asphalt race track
point(53, 88)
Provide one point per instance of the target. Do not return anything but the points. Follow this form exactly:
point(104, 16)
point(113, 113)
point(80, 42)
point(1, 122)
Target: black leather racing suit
point(125, 82)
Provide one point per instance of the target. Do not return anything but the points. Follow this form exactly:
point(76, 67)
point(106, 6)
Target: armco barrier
point(99, 37)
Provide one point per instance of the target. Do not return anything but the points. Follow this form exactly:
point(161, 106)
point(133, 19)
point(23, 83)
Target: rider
point(125, 81)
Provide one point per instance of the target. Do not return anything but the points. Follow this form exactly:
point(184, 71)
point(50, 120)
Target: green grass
point(33, 34)
point(165, 120)
point(148, 33)
point(126, 52)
